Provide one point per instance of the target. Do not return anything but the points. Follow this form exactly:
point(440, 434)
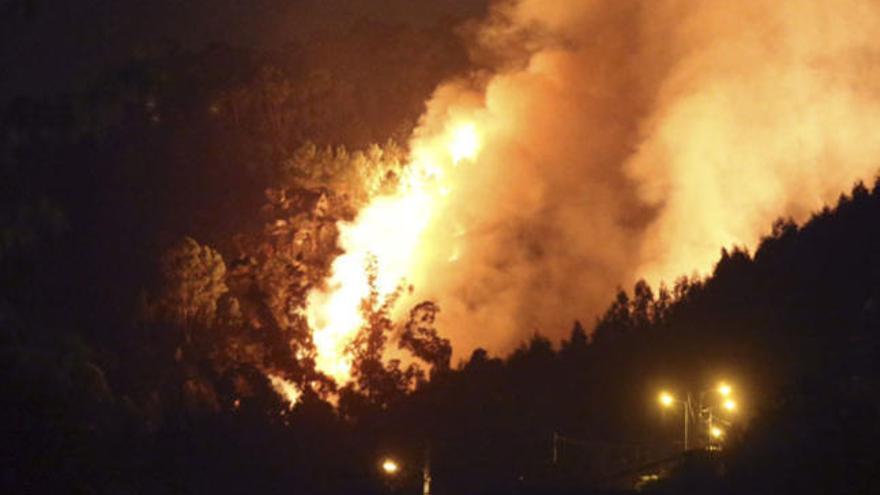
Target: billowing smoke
point(626, 139)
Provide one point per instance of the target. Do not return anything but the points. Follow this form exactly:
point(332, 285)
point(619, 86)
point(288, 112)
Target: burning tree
point(276, 308)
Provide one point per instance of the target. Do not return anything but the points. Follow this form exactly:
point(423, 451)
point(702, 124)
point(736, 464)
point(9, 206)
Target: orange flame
point(286, 389)
point(388, 232)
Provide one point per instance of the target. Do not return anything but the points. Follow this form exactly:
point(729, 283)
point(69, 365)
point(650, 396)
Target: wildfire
point(386, 235)
point(286, 389)
point(464, 143)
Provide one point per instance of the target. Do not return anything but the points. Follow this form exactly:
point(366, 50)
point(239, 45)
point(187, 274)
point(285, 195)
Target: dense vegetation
point(159, 231)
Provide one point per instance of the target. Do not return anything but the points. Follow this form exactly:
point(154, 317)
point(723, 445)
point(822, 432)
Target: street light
point(702, 415)
point(667, 400)
point(390, 466)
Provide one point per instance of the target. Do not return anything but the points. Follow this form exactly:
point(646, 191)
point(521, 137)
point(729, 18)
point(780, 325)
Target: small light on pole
point(730, 405)
point(390, 466)
point(667, 400)
point(724, 389)
point(716, 432)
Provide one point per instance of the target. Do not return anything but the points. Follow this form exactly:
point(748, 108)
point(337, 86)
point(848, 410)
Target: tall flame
point(388, 232)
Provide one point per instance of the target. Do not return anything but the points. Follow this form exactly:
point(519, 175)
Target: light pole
point(426, 473)
point(727, 404)
point(667, 400)
point(725, 391)
point(391, 468)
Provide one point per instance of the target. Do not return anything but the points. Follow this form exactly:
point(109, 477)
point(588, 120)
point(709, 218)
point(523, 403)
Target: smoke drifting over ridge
point(635, 139)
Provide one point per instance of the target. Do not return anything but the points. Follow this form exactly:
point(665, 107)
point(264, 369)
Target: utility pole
point(686, 421)
point(703, 417)
point(426, 472)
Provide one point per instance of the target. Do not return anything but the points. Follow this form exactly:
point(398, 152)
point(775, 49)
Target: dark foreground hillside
point(795, 326)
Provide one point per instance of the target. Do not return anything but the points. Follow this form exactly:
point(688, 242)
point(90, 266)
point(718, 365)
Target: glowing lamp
point(730, 405)
point(716, 432)
point(666, 399)
point(724, 389)
point(390, 467)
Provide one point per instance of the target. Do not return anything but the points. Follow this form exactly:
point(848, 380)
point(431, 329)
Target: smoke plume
point(627, 139)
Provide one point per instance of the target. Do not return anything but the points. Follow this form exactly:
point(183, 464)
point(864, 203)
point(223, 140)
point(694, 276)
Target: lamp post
point(426, 473)
point(667, 400)
point(391, 468)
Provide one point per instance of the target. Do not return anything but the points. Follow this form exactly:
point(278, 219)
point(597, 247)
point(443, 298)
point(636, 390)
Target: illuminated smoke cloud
point(636, 139)
point(630, 139)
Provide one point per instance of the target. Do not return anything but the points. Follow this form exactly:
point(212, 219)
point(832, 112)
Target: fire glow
point(386, 234)
point(608, 159)
point(286, 389)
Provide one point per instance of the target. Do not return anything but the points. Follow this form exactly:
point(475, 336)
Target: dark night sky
point(54, 45)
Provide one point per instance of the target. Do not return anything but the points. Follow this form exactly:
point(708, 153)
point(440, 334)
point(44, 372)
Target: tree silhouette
point(421, 338)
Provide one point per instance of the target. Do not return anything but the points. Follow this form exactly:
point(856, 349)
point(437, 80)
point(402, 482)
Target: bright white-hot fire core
point(386, 233)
